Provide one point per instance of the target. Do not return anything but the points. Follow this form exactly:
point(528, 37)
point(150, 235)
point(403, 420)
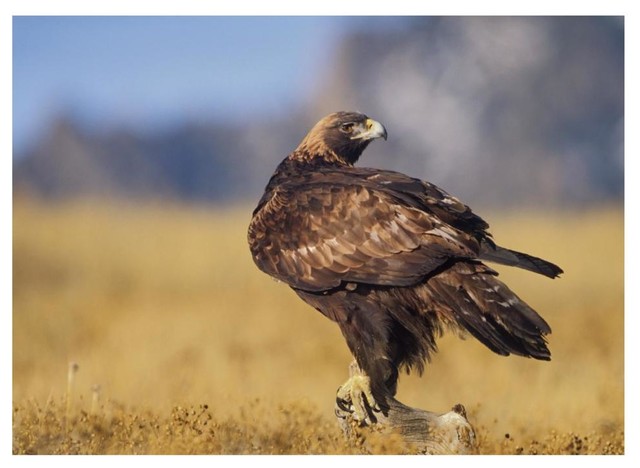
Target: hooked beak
point(371, 129)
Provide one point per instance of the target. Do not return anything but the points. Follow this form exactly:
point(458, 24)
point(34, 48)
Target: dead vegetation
point(184, 347)
point(297, 428)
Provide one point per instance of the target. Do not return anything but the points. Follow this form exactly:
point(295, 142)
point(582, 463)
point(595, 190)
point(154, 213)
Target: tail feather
point(502, 256)
point(470, 295)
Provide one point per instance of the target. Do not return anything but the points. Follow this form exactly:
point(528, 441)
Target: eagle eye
point(347, 127)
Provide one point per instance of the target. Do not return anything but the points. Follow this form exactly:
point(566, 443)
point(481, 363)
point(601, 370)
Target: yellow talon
point(357, 391)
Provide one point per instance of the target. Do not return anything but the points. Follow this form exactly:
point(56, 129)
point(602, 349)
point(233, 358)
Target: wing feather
point(332, 229)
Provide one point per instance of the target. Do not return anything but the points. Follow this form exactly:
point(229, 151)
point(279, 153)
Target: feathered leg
point(373, 374)
point(366, 326)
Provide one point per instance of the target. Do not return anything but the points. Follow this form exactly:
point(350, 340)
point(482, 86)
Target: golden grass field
point(196, 351)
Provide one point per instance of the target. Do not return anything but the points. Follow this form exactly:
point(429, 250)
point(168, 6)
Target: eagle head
point(340, 137)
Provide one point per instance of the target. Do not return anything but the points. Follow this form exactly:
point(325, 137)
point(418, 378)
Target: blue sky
point(151, 71)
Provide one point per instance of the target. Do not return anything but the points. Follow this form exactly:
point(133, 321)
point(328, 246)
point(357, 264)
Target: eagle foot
point(355, 397)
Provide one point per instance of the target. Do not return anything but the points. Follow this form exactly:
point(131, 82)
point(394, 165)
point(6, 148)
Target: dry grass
point(196, 351)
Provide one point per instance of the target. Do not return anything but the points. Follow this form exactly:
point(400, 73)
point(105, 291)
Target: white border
point(352, 7)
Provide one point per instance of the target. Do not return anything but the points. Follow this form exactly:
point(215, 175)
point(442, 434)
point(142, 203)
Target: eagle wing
point(377, 228)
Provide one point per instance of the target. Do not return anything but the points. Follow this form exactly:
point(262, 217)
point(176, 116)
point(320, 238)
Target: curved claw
point(355, 396)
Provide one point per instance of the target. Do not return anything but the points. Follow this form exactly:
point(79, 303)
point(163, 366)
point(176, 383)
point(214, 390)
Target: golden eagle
point(393, 260)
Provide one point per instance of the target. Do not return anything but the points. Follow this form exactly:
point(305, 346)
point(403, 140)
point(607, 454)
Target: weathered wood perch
point(421, 432)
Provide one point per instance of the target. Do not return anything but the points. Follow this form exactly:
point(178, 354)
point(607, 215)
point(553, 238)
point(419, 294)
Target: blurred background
point(203, 108)
point(142, 144)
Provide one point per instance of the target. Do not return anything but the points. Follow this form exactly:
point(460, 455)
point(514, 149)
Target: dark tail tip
point(543, 267)
point(509, 257)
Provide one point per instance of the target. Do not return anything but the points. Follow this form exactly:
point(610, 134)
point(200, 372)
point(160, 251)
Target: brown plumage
point(392, 259)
